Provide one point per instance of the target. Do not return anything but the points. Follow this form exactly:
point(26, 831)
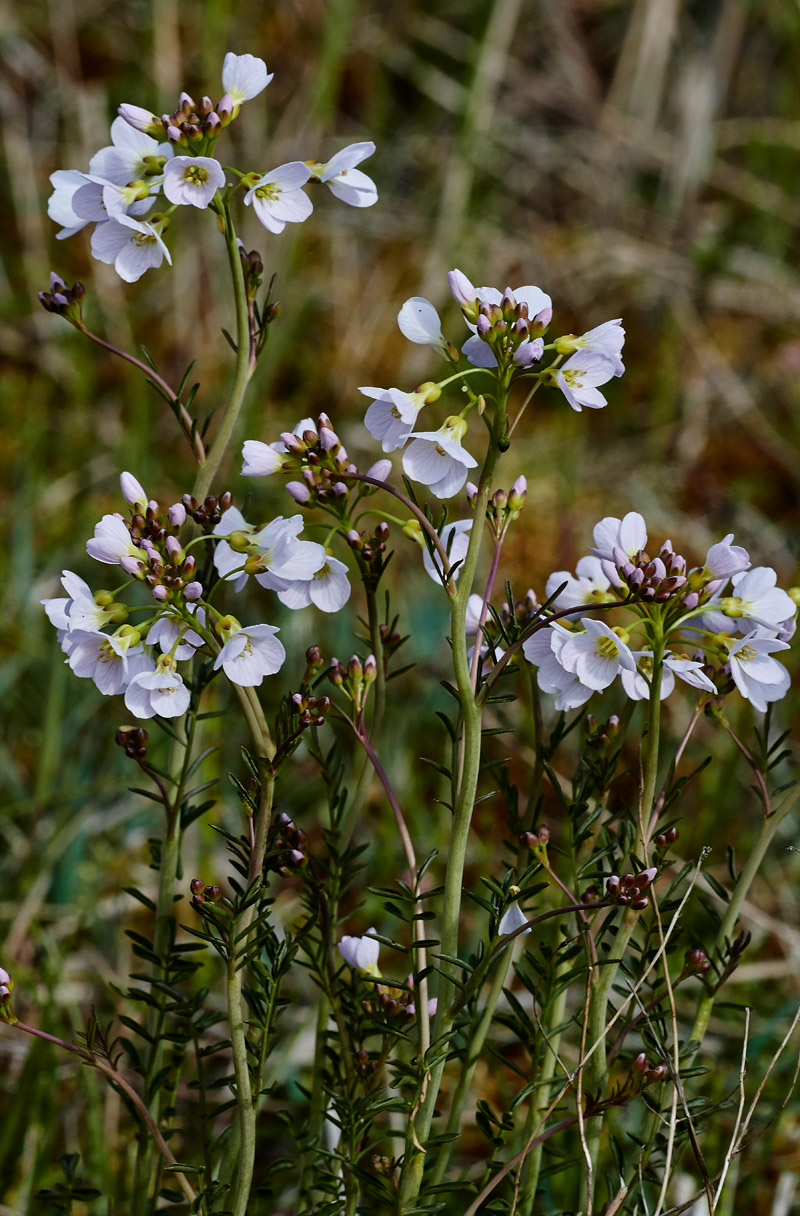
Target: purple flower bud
point(137, 117)
point(131, 565)
point(193, 591)
point(509, 299)
point(692, 600)
point(152, 505)
point(339, 489)
point(298, 491)
point(177, 515)
point(225, 108)
point(544, 317)
point(461, 289)
point(160, 593)
point(174, 134)
point(325, 422)
point(56, 283)
point(132, 491)
point(380, 470)
point(483, 325)
point(173, 547)
point(293, 443)
point(328, 439)
point(212, 125)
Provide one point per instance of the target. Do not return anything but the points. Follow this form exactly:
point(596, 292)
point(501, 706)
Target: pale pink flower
point(278, 199)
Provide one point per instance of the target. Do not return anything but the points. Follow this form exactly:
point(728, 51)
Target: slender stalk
point(606, 974)
point(198, 447)
point(480, 1029)
point(768, 829)
point(532, 1164)
point(420, 1125)
point(117, 1078)
point(245, 365)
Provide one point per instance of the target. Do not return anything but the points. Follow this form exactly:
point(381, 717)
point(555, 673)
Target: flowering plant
point(572, 923)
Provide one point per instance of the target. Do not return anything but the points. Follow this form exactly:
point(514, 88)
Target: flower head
point(130, 246)
point(437, 459)
point(278, 199)
point(579, 376)
point(393, 414)
point(343, 179)
point(193, 180)
point(759, 678)
point(244, 77)
point(361, 953)
point(596, 656)
point(249, 654)
point(606, 339)
point(161, 692)
point(132, 155)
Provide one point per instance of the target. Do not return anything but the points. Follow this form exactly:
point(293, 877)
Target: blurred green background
point(632, 159)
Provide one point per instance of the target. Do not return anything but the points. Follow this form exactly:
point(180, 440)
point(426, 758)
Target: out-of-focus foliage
point(634, 159)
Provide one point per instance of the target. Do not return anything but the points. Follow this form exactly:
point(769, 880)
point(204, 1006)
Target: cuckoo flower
point(278, 199)
point(437, 459)
point(343, 179)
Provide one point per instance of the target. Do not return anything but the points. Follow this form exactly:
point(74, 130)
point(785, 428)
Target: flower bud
point(370, 669)
point(160, 593)
point(641, 1063)
point(299, 492)
point(174, 550)
point(239, 541)
point(355, 669)
point(328, 439)
point(471, 491)
point(196, 886)
point(462, 291)
point(131, 489)
point(193, 591)
point(517, 494)
point(380, 471)
point(177, 515)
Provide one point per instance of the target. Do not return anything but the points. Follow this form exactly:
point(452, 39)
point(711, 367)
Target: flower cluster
point(683, 622)
point(508, 330)
point(141, 661)
point(169, 162)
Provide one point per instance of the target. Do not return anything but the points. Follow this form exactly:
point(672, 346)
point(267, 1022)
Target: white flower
point(579, 376)
point(361, 953)
point(279, 555)
point(392, 416)
point(328, 588)
point(606, 339)
point(437, 459)
point(130, 246)
point(479, 353)
point(344, 180)
point(110, 660)
point(589, 587)
point(244, 77)
point(543, 650)
point(171, 626)
point(261, 459)
point(250, 654)
point(79, 610)
point(193, 180)
point(758, 599)
point(60, 207)
point(112, 540)
point(277, 197)
point(596, 656)
point(161, 692)
point(612, 536)
point(724, 559)
point(132, 490)
point(419, 322)
point(132, 156)
point(634, 682)
point(513, 918)
point(455, 541)
point(759, 678)
point(690, 671)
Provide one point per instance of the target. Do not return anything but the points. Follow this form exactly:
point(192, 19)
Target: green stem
point(540, 1100)
point(768, 829)
point(245, 365)
point(471, 715)
point(606, 973)
point(169, 863)
point(480, 1029)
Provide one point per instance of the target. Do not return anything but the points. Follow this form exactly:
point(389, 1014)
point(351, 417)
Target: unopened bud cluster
point(666, 838)
point(194, 125)
point(64, 301)
point(505, 327)
point(311, 710)
point(134, 741)
point(369, 549)
point(354, 679)
point(629, 890)
point(537, 839)
point(203, 893)
point(647, 1072)
point(600, 734)
point(323, 459)
point(286, 849)
point(657, 578)
point(207, 513)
